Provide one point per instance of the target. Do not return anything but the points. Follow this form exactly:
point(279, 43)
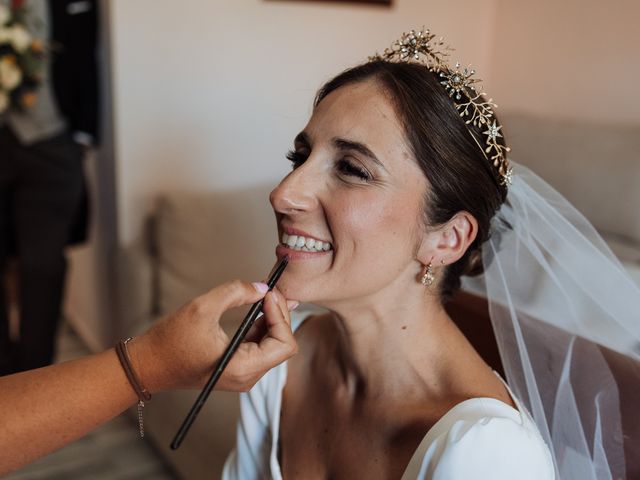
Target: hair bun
point(474, 266)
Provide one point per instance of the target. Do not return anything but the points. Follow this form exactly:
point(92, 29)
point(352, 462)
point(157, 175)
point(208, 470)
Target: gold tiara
point(423, 47)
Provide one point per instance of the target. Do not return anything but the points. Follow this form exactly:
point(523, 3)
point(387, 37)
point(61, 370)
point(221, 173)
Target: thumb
point(232, 294)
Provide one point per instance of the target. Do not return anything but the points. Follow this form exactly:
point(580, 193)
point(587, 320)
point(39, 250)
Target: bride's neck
point(384, 343)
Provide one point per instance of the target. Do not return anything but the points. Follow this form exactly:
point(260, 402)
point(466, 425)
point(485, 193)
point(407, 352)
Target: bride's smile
point(356, 188)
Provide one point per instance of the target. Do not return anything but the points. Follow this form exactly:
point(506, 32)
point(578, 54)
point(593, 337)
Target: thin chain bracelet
point(142, 393)
point(140, 418)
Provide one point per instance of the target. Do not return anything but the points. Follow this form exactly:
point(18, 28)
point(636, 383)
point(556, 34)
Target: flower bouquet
point(21, 60)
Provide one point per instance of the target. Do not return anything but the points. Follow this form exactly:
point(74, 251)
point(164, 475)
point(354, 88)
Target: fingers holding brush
point(180, 350)
point(257, 358)
point(276, 310)
point(287, 306)
point(259, 329)
point(253, 359)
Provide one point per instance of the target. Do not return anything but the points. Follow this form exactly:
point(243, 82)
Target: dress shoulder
point(484, 438)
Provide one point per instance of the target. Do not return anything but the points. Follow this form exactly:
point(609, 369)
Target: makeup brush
point(242, 331)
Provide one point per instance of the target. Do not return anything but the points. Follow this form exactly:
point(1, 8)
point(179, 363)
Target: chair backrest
point(203, 239)
point(595, 166)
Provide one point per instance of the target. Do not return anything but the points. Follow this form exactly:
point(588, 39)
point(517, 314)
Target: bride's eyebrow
point(344, 144)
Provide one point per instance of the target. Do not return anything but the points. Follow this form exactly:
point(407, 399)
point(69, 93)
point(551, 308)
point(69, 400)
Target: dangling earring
point(428, 277)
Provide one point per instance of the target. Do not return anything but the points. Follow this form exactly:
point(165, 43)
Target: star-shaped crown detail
point(468, 98)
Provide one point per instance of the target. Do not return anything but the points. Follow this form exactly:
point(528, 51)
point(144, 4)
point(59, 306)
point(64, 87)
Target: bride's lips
point(283, 249)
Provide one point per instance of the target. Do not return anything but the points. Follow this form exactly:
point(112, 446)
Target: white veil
point(566, 317)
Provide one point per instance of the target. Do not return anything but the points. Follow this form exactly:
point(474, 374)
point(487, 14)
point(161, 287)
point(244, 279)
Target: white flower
point(10, 74)
point(5, 35)
point(20, 38)
point(4, 15)
point(4, 101)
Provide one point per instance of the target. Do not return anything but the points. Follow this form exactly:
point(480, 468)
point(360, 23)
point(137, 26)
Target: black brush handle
point(242, 331)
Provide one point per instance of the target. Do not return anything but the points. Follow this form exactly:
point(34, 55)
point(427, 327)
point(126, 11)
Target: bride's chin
point(297, 294)
point(300, 293)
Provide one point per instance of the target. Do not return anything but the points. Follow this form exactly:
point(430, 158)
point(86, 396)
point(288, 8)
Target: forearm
point(42, 410)
point(45, 409)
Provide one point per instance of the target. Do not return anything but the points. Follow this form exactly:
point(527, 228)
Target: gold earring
point(428, 277)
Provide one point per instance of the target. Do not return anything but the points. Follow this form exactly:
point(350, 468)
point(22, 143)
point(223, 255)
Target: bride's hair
point(459, 176)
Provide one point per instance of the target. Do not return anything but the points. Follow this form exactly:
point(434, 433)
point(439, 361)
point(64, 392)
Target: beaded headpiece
point(423, 47)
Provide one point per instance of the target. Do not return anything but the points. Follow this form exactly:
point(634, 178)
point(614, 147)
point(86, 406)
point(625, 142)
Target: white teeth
point(298, 242)
point(292, 240)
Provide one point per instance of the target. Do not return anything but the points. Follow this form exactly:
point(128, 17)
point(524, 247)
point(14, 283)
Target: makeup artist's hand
point(43, 409)
point(181, 350)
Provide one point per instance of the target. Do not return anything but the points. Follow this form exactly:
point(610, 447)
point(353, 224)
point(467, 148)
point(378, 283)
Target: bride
point(396, 184)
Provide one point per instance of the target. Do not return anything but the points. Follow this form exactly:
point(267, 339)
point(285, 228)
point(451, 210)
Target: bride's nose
point(297, 192)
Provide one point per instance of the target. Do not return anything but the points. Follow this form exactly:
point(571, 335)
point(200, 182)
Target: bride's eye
point(349, 168)
point(296, 158)
point(344, 166)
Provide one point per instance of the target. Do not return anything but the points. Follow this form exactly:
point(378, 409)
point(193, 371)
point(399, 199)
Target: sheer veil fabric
point(566, 317)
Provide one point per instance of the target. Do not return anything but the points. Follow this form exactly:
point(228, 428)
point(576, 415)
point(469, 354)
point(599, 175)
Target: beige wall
point(568, 58)
point(208, 95)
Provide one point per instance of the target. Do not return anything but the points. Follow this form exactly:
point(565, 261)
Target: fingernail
point(261, 287)
point(292, 304)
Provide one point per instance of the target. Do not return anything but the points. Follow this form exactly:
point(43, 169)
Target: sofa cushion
point(210, 439)
point(204, 239)
point(627, 251)
point(595, 166)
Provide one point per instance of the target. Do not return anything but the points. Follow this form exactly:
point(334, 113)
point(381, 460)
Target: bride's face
point(356, 187)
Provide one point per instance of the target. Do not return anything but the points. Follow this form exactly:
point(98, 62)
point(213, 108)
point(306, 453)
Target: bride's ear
point(450, 241)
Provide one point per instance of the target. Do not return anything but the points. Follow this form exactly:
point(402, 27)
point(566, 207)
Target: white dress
point(479, 438)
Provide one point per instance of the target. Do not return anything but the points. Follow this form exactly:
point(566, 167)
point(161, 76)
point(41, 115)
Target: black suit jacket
point(74, 70)
point(74, 76)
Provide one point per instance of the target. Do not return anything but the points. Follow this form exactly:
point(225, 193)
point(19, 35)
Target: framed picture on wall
point(378, 2)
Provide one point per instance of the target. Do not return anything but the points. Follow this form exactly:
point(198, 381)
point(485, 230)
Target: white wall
point(208, 95)
point(574, 59)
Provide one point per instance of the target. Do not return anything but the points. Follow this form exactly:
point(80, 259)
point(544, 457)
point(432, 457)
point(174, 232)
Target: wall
point(208, 95)
point(572, 58)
